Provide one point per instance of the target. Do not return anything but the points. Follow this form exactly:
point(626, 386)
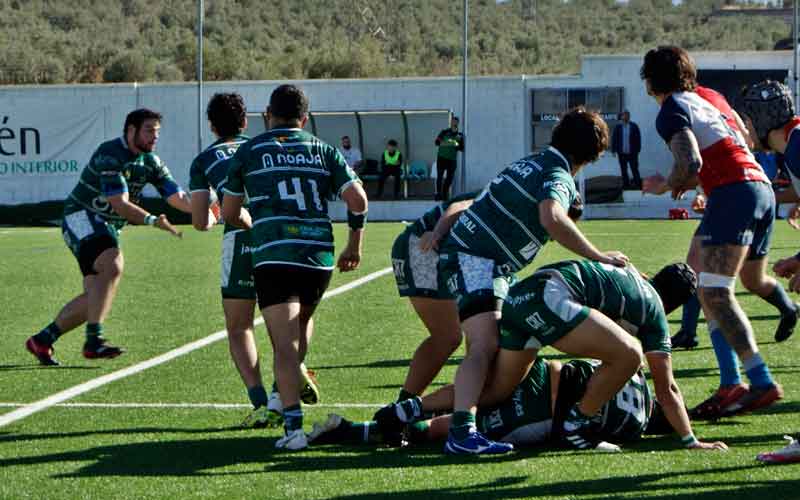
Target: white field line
point(72, 392)
point(210, 406)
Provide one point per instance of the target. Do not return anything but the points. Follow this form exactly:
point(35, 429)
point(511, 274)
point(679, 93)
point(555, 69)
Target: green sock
point(93, 331)
point(49, 334)
point(258, 396)
point(418, 431)
point(360, 432)
point(404, 394)
point(462, 424)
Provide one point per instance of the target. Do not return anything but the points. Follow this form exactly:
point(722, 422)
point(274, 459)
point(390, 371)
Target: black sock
point(49, 334)
point(94, 331)
point(780, 299)
point(258, 396)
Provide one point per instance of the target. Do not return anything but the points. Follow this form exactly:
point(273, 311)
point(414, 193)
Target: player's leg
point(101, 289)
point(71, 316)
point(440, 317)
point(600, 338)
point(687, 335)
point(309, 394)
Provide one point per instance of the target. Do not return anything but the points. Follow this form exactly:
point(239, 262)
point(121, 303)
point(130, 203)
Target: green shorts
point(237, 265)
point(88, 235)
point(526, 416)
point(540, 313)
point(477, 284)
point(414, 270)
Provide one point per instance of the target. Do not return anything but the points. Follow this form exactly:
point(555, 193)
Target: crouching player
point(104, 200)
point(769, 113)
point(530, 416)
point(595, 310)
point(289, 175)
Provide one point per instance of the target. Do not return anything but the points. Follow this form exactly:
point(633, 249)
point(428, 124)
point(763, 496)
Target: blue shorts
point(739, 214)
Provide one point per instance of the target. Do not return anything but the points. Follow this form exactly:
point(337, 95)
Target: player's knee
point(630, 356)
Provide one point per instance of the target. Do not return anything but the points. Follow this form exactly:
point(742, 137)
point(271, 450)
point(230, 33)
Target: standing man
point(351, 154)
point(499, 234)
point(626, 143)
point(289, 175)
point(449, 141)
point(734, 236)
point(104, 200)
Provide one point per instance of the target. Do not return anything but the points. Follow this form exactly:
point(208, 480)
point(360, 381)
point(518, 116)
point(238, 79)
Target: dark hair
point(392, 142)
point(675, 283)
point(227, 113)
point(288, 102)
point(580, 135)
point(138, 116)
point(345, 137)
point(575, 211)
point(455, 118)
point(669, 69)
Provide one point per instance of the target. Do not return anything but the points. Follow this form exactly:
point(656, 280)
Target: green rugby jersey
point(114, 169)
point(622, 294)
point(503, 223)
point(429, 219)
point(209, 170)
point(289, 175)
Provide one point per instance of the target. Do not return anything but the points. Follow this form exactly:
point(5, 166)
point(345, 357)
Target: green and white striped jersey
point(503, 223)
point(289, 175)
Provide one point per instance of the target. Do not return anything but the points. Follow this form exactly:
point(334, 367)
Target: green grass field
point(169, 297)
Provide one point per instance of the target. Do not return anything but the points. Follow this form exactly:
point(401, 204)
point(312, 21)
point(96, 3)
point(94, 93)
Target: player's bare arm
point(688, 161)
point(671, 399)
point(357, 205)
point(559, 226)
point(137, 215)
point(180, 201)
point(430, 240)
point(203, 218)
point(234, 213)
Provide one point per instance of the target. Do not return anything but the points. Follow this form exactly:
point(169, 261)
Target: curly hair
point(581, 136)
point(227, 113)
point(669, 69)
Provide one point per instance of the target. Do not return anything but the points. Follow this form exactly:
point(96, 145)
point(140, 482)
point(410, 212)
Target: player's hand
point(786, 268)
point(428, 241)
point(716, 445)
point(163, 223)
point(614, 258)
point(699, 204)
point(215, 212)
point(794, 215)
point(655, 184)
point(349, 259)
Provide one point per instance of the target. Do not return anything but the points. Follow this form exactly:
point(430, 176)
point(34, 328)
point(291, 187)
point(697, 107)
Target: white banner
point(43, 150)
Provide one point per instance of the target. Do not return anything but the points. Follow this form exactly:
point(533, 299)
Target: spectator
point(391, 164)
point(450, 141)
point(352, 155)
point(626, 143)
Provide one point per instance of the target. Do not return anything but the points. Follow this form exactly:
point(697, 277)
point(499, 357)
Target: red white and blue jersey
point(791, 156)
point(726, 157)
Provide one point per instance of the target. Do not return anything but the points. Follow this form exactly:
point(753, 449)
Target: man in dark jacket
point(449, 142)
point(626, 143)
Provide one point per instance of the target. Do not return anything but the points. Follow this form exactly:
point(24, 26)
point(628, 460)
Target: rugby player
point(531, 415)
point(596, 310)
point(289, 175)
point(502, 232)
point(769, 113)
point(414, 260)
point(104, 200)
point(734, 235)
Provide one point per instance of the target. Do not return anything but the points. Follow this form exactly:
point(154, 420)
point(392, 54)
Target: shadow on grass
point(386, 363)
point(37, 366)
point(14, 437)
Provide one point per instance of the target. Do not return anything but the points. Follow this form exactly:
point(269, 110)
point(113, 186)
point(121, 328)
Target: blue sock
point(726, 359)
point(292, 418)
point(257, 395)
point(691, 311)
point(757, 372)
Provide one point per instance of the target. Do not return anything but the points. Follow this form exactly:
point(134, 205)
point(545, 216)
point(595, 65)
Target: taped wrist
point(356, 221)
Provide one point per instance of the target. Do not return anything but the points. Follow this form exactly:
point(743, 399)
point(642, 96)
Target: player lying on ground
point(502, 232)
point(770, 116)
point(289, 175)
point(586, 309)
point(532, 415)
point(104, 200)
point(414, 259)
point(227, 116)
point(734, 236)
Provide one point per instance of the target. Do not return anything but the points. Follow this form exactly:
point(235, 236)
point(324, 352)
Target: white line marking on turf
point(67, 394)
point(212, 406)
